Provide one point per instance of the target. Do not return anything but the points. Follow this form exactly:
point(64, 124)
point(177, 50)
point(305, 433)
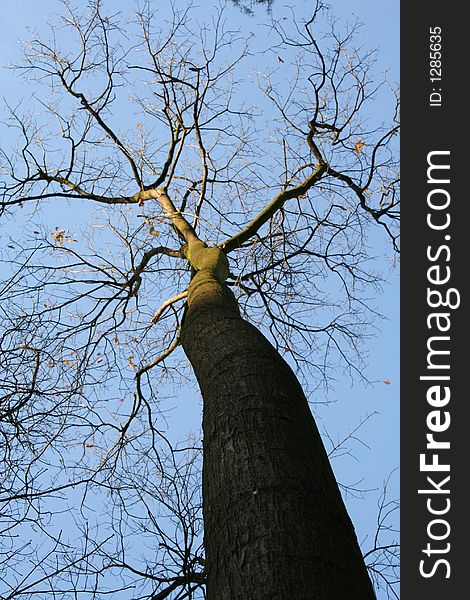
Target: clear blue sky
point(377, 453)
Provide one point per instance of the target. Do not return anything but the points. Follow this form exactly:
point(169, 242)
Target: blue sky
point(376, 453)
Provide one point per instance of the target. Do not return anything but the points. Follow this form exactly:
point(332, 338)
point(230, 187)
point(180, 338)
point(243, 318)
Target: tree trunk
point(275, 524)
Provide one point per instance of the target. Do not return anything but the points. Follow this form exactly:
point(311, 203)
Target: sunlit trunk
point(275, 524)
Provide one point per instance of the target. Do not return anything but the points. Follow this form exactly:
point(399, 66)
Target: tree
point(208, 221)
point(248, 5)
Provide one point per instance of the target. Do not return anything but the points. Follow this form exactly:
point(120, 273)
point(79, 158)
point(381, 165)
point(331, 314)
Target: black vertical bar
point(434, 301)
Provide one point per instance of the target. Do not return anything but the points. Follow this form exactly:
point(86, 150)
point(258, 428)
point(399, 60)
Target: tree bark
point(275, 524)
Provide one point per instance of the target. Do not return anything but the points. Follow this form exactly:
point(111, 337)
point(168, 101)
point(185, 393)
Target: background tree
point(249, 5)
point(145, 135)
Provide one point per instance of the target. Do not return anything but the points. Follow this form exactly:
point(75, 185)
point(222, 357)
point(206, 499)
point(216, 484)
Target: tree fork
point(275, 524)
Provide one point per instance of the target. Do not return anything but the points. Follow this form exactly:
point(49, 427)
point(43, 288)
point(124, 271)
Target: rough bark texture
point(275, 524)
